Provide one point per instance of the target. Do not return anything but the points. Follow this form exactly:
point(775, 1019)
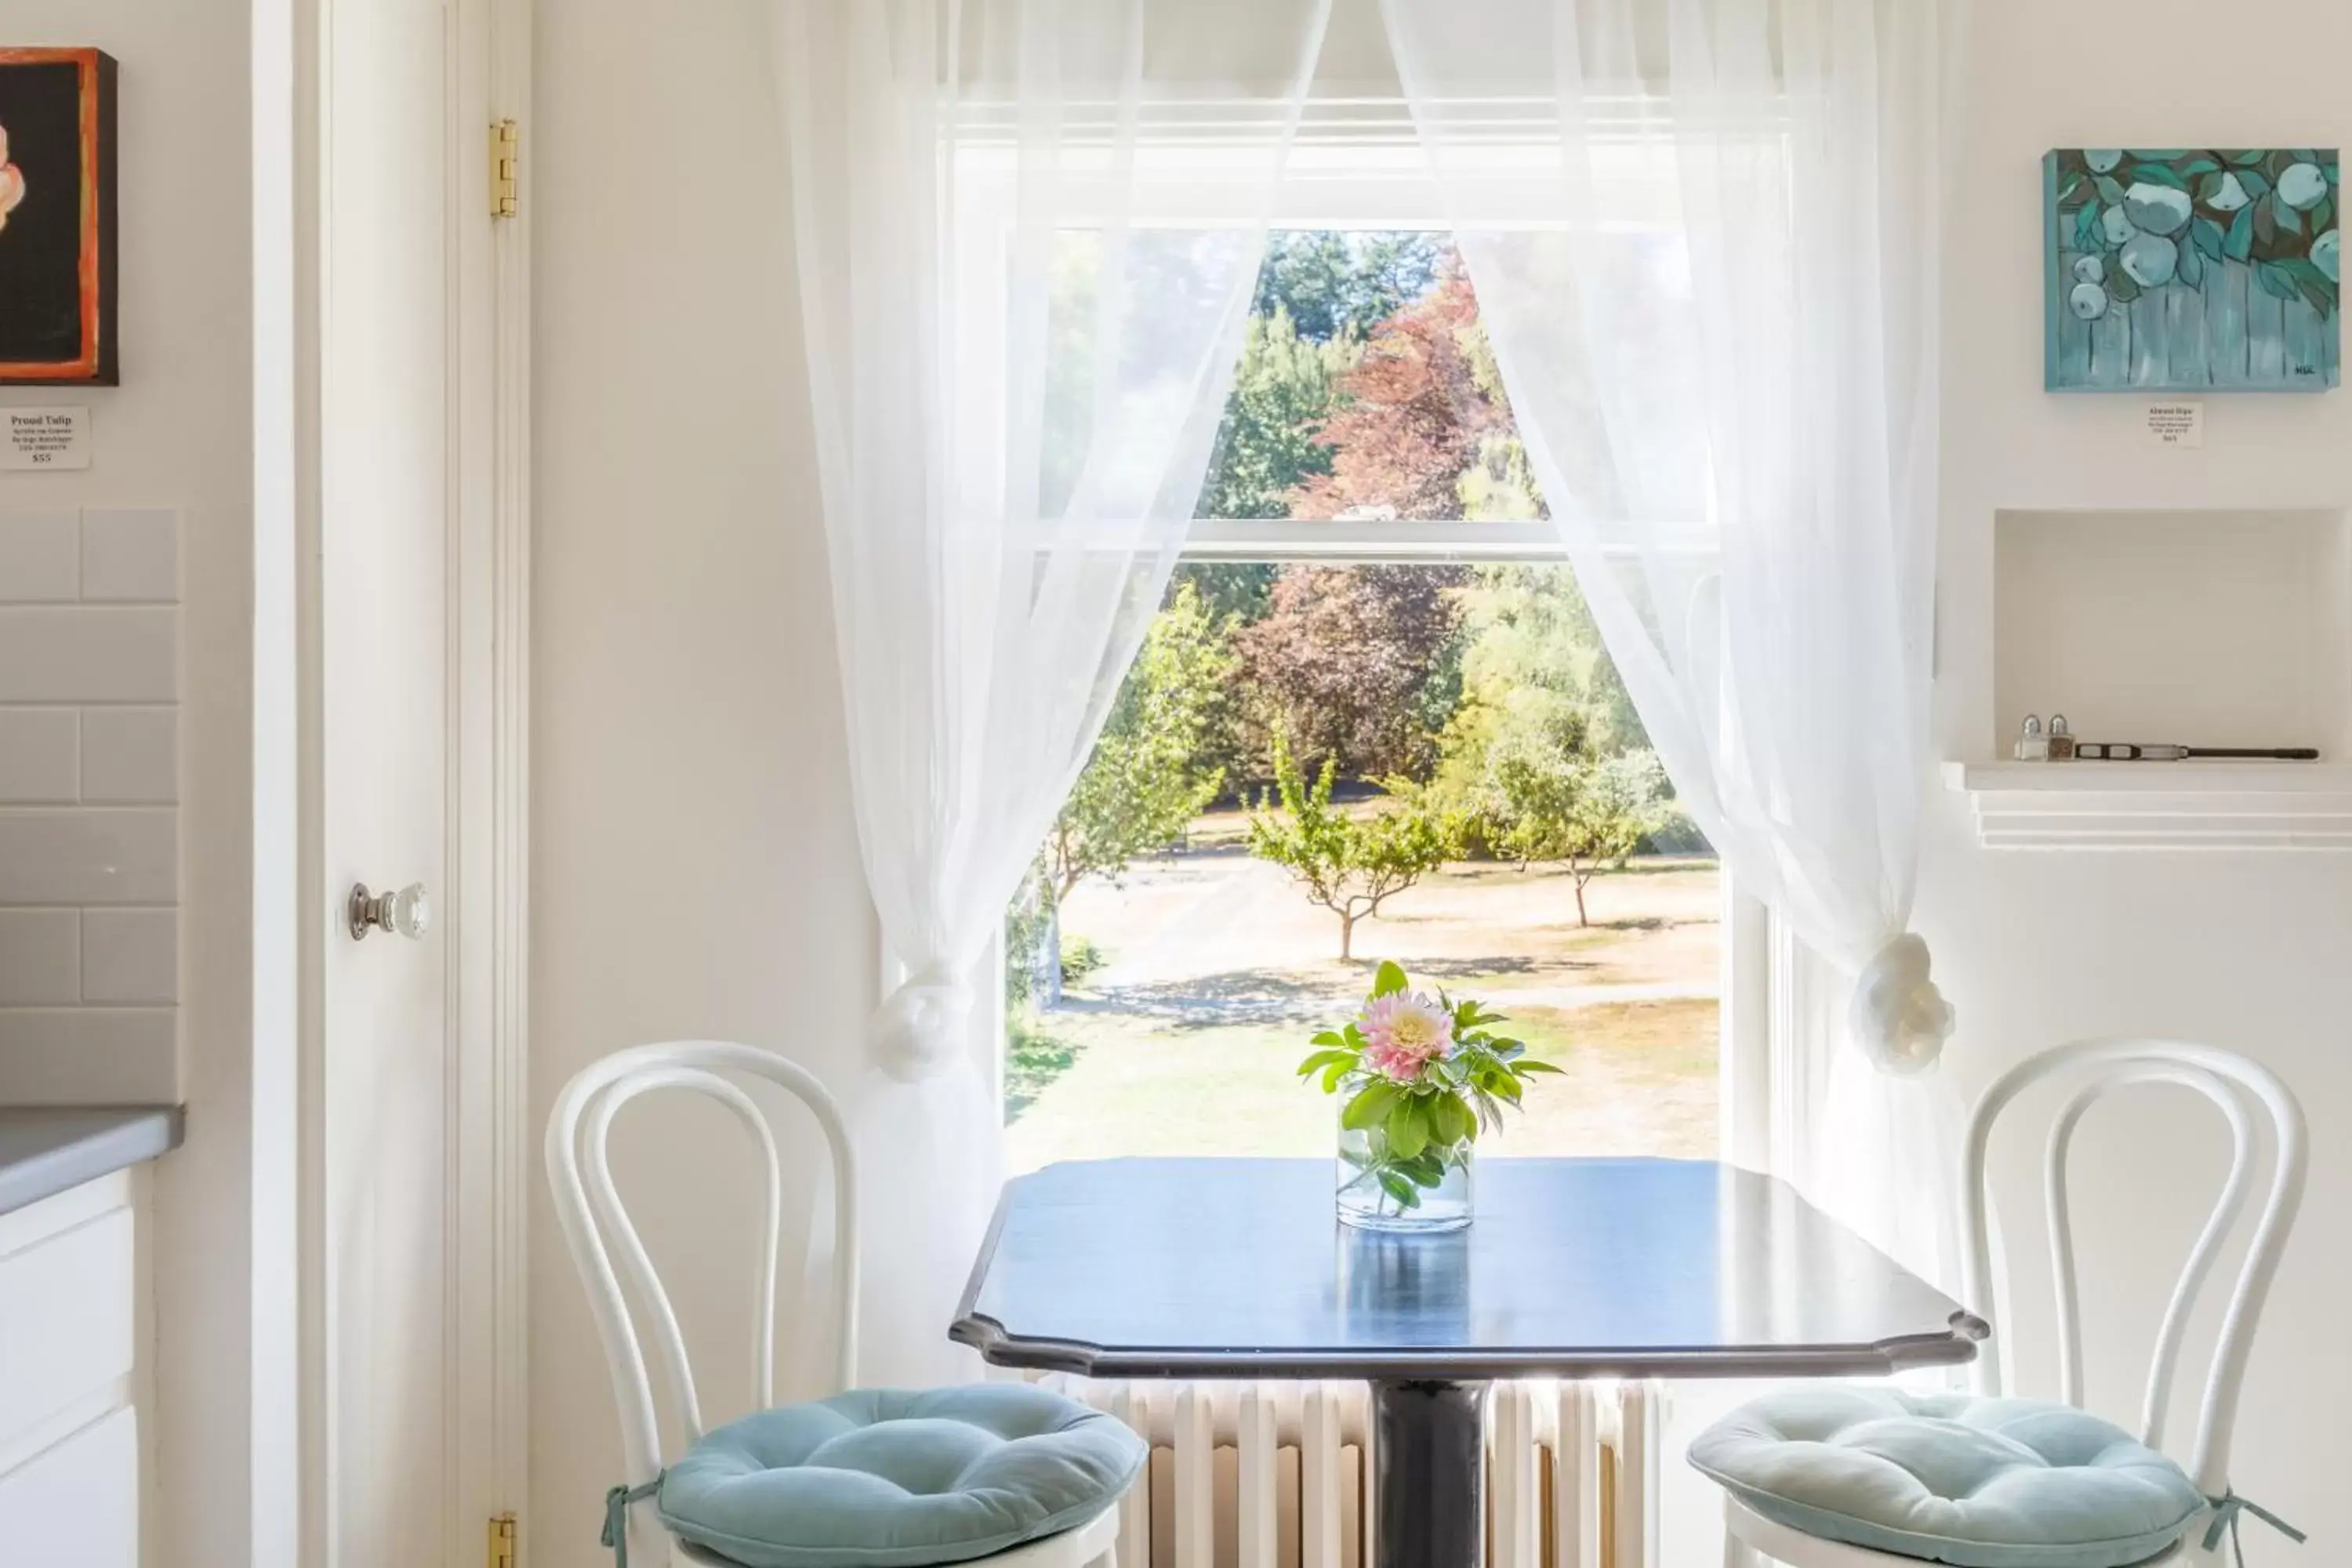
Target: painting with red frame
point(56, 218)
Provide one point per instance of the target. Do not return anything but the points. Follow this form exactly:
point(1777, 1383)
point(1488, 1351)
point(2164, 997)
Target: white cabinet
point(68, 1333)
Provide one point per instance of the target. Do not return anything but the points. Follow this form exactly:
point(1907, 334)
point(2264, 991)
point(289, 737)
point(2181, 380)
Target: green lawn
point(1218, 971)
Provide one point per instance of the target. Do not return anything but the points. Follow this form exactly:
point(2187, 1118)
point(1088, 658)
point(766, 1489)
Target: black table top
point(1592, 1268)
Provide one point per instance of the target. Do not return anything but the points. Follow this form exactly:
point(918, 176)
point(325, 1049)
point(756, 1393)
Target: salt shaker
point(2033, 745)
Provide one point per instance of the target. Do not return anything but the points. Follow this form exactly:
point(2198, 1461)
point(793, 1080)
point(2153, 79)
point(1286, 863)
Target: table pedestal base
point(1429, 1473)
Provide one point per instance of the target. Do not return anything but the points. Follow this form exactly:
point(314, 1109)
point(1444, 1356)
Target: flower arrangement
point(1423, 1075)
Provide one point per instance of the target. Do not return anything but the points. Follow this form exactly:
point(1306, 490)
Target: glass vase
point(1379, 1191)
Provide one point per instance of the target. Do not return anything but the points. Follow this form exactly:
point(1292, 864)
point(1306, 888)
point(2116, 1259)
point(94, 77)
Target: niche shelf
point(2157, 806)
point(2229, 628)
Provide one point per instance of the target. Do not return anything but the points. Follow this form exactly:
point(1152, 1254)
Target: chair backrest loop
point(596, 1225)
point(2241, 1090)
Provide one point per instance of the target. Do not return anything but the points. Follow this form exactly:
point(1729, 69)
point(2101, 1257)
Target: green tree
point(1270, 441)
point(1146, 779)
point(1334, 283)
point(1583, 813)
point(1349, 864)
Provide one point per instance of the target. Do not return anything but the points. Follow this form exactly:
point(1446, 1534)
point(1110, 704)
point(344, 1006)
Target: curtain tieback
point(2226, 1509)
point(1900, 1020)
point(916, 1028)
point(616, 1517)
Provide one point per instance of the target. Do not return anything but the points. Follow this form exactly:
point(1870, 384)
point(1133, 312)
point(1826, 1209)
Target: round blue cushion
point(899, 1478)
point(1979, 1483)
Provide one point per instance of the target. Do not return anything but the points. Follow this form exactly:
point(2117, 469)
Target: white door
point(383, 1403)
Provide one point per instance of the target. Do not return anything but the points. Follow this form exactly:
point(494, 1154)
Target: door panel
point(385, 1088)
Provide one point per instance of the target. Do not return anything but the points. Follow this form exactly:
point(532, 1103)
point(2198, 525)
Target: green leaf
point(2111, 190)
point(2066, 192)
point(2247, 159)
point(2200, 164)
point(2288, 218)
point(1423, 1170)
point(2322, 213)
point(2120, 286)
point(1325, 1059)
point(1407, 1127)
point(1453, 1119)
point(1369, 1107)
point(2206, 236)
point(2086, 229)
point(2158, 175)
point(2255, 183)
point(1531, 1065)
point(1406, 1194)
point(1328, 1037)
point(2190, 269)
point(1388, 979)
point(2238, 244)
point(1334, 1075)
point(2319, 299)
point(2277, 280)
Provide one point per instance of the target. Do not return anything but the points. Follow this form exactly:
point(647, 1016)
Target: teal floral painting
point(2211, 270)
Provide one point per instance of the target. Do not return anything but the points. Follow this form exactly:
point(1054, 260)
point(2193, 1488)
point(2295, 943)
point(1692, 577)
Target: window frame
point(1378, 182)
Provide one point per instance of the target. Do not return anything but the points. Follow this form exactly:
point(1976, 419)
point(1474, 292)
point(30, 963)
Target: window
point(1371, 626)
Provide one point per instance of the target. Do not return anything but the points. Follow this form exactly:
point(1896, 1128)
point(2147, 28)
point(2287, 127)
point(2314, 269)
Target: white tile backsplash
point(130, 555)
point(41, 756)
point(131, 756)
point(40, 957)
point(130, 955)
point(90, 839)
point(96, 653)
point(68, 1055)
point(41, 556)
point(117, 855)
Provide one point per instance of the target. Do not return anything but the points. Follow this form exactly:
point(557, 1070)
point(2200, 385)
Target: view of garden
point(1312, 768)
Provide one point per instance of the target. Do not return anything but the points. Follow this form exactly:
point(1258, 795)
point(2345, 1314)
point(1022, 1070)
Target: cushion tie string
point(616, 1517)
point(2226, 1509)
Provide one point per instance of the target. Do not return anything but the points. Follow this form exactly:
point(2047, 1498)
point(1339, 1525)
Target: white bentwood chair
point(2243, 1090)
point(589, 1208)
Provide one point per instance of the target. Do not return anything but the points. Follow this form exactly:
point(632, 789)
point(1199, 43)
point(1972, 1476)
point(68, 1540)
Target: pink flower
point(1403, 1031)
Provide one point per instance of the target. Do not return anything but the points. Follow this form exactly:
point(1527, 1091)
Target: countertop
point(46, 1149)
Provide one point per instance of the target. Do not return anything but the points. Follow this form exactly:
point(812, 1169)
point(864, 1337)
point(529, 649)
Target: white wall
point(177, 434)
point(694, 857)
point(693, 842)
point(2246, 951)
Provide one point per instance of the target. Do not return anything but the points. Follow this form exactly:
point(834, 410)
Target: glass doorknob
point(407, 912)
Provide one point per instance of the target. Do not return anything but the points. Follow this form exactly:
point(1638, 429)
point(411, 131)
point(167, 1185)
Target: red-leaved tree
point(1409, 414)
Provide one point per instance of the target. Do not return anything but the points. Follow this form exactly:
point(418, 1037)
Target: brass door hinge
point(506, 152)
point(502, 1541)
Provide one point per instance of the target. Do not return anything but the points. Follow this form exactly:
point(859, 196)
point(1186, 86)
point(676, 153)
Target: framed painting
point(56, 218)
point(2203, 269)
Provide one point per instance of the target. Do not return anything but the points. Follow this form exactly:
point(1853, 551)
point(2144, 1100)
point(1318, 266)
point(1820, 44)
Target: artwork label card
point(49, 437)
point(2176, 423)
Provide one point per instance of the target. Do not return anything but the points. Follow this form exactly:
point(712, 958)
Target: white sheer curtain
point(1704, 238)
point(1017, 361)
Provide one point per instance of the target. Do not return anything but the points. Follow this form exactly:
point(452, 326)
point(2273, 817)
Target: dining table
point(1575, 1268)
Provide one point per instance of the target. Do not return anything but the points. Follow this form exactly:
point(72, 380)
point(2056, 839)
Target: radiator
point(1270, 1474)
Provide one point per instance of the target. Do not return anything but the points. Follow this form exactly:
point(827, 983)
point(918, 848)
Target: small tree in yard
point(1147, 779)
point(1350, 865)
point(1555, 804)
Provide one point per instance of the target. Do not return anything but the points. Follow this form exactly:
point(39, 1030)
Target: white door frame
point(484, 909)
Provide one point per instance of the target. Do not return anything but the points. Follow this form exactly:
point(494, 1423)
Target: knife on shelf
point(2134, 751)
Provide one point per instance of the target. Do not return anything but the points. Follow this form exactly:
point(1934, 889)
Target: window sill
point(2157, 806)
